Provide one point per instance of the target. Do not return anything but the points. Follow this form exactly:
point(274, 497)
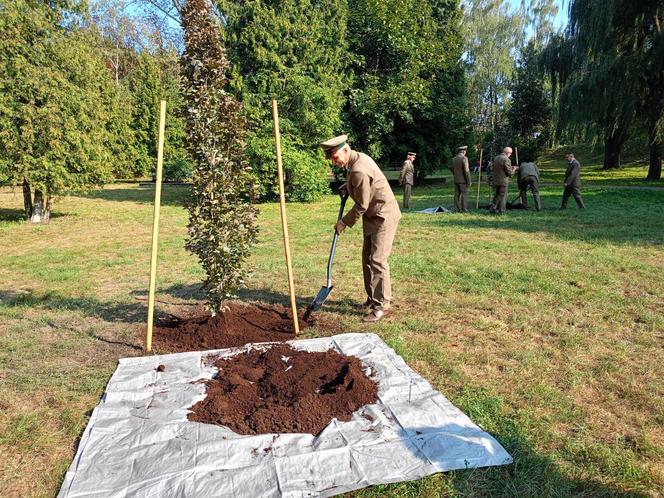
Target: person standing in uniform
point(528, 178)
point(376, 205)
point(572, 182)
point(407, 178)
point(462, 180)
point(502, 171)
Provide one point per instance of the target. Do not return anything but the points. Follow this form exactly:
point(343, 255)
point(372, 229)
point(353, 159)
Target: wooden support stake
point(155, 225)
point(479, 180)
point(284, 222)
point(516, 154)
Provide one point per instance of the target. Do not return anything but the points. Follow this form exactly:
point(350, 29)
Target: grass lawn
point(546, 328)
point(633, 170)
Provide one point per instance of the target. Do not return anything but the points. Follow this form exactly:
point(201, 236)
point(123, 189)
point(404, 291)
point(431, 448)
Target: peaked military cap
point(412, 154)
point(463, 147)
point(336, 143)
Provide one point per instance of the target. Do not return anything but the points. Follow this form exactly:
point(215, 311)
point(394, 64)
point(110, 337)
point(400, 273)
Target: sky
point(561, 18)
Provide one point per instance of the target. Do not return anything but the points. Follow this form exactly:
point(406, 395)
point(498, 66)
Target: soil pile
point(241, 324)
point(284, 390)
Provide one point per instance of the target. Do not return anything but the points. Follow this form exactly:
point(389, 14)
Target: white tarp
point(139, 442)
point(434, 210)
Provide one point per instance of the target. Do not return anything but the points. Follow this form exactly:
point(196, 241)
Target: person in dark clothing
point(572, 182)
point(528, 179)
point(502, 171)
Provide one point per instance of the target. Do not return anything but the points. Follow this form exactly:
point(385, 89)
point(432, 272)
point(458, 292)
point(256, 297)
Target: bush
point(177, 170)
point(305, 173)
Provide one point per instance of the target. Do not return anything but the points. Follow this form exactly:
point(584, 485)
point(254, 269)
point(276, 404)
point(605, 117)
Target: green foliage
point(408, 91)
point(305, 176)
point(530, 111)
point(608, 41)
point(294, 52)
point(56, 103)
point(177, 170)
point(493, 34)
point(222, 220)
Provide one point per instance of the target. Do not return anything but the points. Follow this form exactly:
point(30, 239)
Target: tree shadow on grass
point(268, 296)
point(12, 215)
point(531, 474)
point(171, 195)
point(107, 311)
point(18, 215)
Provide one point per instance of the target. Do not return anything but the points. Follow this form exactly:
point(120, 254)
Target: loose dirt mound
point(241, 324)
point(284, 390)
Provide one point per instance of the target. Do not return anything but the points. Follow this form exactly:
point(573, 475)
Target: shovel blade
point(319, 299)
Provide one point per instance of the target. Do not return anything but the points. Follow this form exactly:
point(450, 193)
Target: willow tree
point(222, 220)
point(609, 68)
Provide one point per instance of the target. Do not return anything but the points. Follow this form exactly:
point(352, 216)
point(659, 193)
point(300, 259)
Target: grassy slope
point(545, 328)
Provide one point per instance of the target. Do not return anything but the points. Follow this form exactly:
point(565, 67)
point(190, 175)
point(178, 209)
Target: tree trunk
point(655, 167)
point(41, 211)
point(613, 146)
point(27, 199)
point(656, 148)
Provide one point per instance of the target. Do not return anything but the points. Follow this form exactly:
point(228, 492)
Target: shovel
point(325, 290)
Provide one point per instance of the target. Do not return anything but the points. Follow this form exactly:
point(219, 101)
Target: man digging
point(376, 205)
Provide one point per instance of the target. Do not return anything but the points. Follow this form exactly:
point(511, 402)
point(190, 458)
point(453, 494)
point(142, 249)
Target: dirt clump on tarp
point(281, 389)
point(241, 324)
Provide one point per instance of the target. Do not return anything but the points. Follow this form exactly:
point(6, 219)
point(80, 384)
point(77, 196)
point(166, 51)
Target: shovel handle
point(344, 198)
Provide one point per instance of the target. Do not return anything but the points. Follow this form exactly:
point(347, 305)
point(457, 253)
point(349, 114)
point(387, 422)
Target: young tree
point(222, 220)
point(54, 114)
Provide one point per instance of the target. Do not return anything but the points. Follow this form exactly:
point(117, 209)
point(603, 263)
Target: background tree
point(605, 41)
point(54, 105)
point(494, 34)
point(222, 220)
point(529, 113)
point(294, 52)
point(408, 85)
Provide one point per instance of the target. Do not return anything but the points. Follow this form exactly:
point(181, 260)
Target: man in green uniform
point(502, 171)
point(461, 179)
point(407, 178)
point(529, 180)
point(376, 205)
point(572, 182)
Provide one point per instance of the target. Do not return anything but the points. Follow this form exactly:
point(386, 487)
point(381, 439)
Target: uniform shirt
point(406, 175)
point(528, 169)
point(572, 177)
point(374, 201)
point(502, 170)
point(461, 169)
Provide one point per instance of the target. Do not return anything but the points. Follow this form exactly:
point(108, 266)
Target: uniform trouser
point(461, 197)
point(407, 187)
point(499, 203)
point(529, 182)
point(375, 252)
point(576, 193)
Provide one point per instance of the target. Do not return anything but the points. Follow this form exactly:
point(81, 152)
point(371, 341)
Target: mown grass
point(546, 328)
point(632, 172)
